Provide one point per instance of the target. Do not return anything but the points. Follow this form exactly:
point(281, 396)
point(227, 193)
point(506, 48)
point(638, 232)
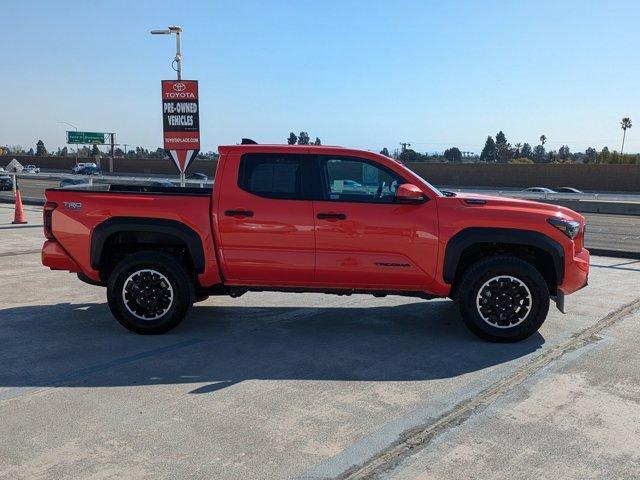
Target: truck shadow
point(219, 346)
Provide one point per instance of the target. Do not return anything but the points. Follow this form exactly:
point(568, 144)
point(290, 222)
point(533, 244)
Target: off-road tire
point(514, 275)
point(135, 270)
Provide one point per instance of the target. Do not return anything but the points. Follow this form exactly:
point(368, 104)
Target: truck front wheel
point(150, 292)
point(503, 299)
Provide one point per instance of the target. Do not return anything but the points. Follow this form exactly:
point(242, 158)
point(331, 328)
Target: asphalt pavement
point(273, 385)
point(614, 233)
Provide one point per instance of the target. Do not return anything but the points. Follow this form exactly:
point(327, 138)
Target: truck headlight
point(569, 227)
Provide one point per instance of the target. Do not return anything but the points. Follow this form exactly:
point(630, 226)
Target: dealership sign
point(181, 121)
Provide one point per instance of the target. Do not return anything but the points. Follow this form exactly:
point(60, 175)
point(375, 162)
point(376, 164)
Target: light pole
point(76, 129)
point(178, 61)
point(178, 58)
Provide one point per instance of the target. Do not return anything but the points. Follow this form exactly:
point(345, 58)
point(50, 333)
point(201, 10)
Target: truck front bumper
point(576, 276)
point(576, 273)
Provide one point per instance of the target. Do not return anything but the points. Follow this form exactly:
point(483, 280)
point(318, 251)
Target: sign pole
point(180, 112)
point(113, 141)
point(179, 53)
point(179, 72)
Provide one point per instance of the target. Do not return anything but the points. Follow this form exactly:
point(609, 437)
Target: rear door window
point(274, 175)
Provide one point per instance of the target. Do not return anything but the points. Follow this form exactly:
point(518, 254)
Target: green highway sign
point(86, 137)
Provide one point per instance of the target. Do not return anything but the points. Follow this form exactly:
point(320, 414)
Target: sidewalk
point(579, 418)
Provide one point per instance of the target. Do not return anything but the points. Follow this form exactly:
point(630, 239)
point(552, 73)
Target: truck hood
point(473, 200)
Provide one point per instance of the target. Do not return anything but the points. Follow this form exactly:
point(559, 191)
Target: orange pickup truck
point(316, 219)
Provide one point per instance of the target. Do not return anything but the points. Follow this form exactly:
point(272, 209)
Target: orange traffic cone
point(19, 213)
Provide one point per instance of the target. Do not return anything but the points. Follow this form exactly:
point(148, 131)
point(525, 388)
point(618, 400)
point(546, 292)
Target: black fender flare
point(178, 229)
point(473, 235)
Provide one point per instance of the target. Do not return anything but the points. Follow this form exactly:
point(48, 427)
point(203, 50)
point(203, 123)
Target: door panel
point(383, 245)
point(265, 241)
point(363, 238)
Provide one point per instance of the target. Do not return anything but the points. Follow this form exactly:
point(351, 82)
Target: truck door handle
point(238, 213)
point(332, 216)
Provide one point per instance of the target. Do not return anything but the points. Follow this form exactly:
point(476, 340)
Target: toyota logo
point(179, 87)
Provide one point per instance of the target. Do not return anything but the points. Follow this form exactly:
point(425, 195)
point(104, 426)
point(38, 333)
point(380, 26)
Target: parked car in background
point(568, 190)
point(6, 183)
point(87, 170)
point(66, 182)
point(30, 169)
point(539, 190)
point(198, 176)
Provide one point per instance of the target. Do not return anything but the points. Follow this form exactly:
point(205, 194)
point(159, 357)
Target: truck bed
point(131, 188)
point(80, 210)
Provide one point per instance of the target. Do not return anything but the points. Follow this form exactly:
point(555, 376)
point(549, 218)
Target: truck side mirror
point(409, 193)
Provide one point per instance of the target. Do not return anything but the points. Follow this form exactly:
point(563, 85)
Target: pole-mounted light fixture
point(178, 58)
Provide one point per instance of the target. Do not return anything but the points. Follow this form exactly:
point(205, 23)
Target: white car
point(30, 169)
point(539, 190)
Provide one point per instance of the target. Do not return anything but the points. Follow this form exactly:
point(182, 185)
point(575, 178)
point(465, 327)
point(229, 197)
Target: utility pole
point(125, 150)
point(404, 146)
point(113, 143)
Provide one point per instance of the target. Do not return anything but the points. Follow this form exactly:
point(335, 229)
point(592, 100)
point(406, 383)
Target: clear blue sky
point(357, 73)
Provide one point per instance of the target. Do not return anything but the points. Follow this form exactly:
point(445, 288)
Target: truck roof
point(261, 147)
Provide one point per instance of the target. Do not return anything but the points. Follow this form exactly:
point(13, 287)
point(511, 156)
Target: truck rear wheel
point(150, 292)
point(503, 299)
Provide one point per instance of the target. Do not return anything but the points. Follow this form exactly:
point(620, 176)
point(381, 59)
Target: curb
point(25, 200)
point(603, 252)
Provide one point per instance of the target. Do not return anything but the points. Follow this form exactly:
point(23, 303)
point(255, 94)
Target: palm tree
point(516, 153)
point(543, 138)
point(624, 124)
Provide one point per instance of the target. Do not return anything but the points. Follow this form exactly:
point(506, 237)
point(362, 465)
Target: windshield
point(423, 181)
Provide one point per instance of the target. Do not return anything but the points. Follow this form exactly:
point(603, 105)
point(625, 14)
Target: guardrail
point(598, 197)
point(106, 179)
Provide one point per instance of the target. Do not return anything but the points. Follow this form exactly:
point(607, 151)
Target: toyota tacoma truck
point(316, 219)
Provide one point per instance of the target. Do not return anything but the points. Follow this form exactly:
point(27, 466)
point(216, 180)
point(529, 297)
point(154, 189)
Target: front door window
point(350, 179)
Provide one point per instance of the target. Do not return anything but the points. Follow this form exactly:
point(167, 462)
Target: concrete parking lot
point(310, 386)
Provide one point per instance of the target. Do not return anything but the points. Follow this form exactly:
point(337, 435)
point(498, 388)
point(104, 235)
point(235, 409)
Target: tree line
point(499, 150)
point(86, 151)
point(302, 138)
point(495, 150)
